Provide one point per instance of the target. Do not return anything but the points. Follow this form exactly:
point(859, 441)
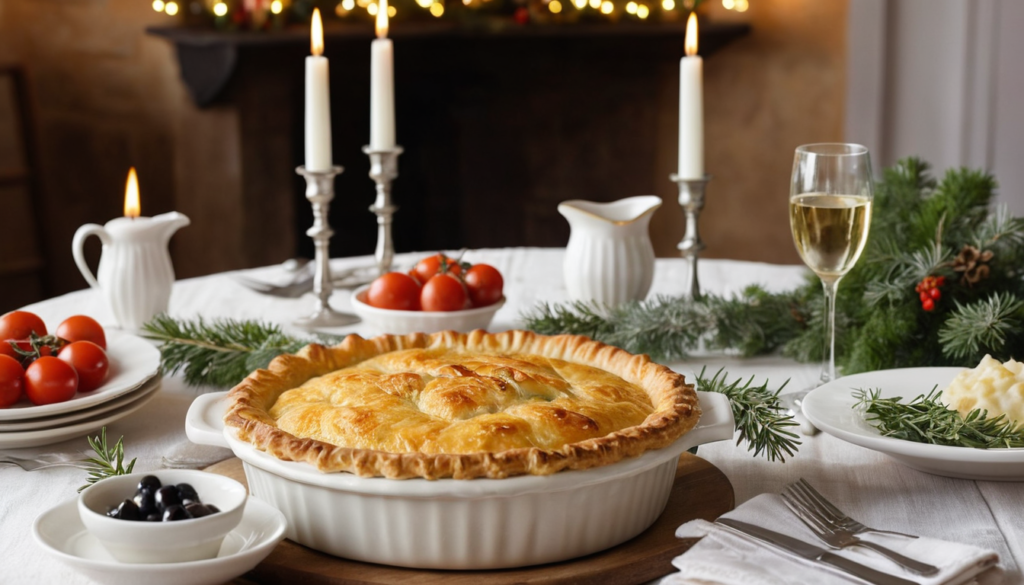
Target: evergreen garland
point(920, 228)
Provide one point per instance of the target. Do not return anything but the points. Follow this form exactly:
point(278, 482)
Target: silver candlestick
point(320, 192)
point(383, 170)
point(691, 199)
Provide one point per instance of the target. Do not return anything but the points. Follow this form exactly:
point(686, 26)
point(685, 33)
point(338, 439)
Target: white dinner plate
point(59, 420)
point(60, 532)
point(133, 360)
point(22, 439)
point(831, 409)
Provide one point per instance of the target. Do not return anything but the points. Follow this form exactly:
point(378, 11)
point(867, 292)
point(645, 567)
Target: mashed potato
point(992, 386)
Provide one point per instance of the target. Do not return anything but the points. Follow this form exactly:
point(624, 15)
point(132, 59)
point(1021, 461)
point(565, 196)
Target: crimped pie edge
point(676, 408)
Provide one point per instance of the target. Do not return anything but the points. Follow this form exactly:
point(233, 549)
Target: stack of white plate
point(133, 381)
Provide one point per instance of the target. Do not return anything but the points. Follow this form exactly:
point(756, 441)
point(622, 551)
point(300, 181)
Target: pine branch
point(926, 420)
point(219, 352)
point(108, 462)
point(983, 327)
point(761, 420)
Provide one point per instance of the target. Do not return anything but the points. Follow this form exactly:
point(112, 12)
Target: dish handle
point(716, 421)
point(204, 423)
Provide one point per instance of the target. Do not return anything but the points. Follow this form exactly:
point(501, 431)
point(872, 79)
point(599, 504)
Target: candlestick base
point(383, 170)
point(691, 199)
point(320, 192)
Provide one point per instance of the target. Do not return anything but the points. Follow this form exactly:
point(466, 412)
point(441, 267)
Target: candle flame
point(132, 208)
point(382, 19)
point(316, 34)
point(691, 35)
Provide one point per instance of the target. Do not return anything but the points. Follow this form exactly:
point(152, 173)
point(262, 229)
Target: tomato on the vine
point(89, 361)
point(12, 381)
point(49, 380)
point(7, 349)
point(443, 292)
point(484, 283)
point(431, 265)
point(394, 290)
point(82, 328)
point(20, 325)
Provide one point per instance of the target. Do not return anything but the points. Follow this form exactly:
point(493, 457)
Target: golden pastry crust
point(461, 405)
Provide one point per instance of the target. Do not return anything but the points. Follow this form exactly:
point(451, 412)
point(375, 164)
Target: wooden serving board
point(700, 491)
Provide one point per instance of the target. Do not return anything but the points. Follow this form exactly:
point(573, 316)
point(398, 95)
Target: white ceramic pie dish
point(463, 524)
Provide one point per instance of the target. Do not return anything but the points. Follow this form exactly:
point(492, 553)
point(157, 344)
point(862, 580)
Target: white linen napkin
point(724, 557)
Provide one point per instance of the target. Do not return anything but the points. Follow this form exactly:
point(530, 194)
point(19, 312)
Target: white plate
point(21, 439)
point(133, 360)
point(830, 408)
point(50, 422)
point(60, 532)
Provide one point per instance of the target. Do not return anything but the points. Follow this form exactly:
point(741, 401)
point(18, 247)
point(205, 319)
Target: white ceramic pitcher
point(609, 258)
point(135, 273)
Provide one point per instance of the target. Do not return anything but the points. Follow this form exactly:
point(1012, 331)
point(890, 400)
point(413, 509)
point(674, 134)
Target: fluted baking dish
point(463, 524)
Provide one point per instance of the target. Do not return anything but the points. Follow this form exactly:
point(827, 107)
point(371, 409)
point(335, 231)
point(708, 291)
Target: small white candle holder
point(383, 170)
point(691, 199)
point(320, 192)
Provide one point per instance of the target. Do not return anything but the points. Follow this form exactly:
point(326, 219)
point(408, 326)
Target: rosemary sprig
point(220, 352)
point(108, 461)
point(761, 418)
point(926, 420)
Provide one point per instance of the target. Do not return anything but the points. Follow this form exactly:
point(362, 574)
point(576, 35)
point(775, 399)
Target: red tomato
point(394, 290)
point(82, 328)
point(12, 381)
point(89, 361)
point(20, 324)
point(484, 283)
point(49, 380)
point(431, 265)
point(443, 292)
point(7, 349)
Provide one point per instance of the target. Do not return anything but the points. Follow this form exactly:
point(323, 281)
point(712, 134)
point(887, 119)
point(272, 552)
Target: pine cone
point(973, 263)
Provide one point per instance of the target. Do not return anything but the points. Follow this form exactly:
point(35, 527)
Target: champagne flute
point(830, 213)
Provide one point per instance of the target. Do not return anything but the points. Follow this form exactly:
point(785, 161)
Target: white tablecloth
point(868, 485)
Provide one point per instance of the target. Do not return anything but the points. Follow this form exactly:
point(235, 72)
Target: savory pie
point(461, 405)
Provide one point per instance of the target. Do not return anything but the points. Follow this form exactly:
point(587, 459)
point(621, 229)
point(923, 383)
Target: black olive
point(155, 517)
point(187, 492)
point(186, 502)
point(213, 509)
point(146, 502)
point(197, 510)
point(175, 512)
point(112, 512)
point(150, 483)
point(166, 497)
point(128, 511)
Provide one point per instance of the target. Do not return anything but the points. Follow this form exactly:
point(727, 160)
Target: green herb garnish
point(108, 462)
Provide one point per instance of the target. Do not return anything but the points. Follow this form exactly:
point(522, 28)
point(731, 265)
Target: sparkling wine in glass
point(830, 215)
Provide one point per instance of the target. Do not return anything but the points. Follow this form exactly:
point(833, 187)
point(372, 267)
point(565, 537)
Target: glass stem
point(828, 369)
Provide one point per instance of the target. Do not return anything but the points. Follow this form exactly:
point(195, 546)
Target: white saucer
point(60, 532)
point(22, 439)
point(133, 360)
point(830, 408)
point(60, 420)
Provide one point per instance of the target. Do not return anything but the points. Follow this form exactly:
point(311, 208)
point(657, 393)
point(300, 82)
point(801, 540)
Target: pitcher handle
point(89, 229)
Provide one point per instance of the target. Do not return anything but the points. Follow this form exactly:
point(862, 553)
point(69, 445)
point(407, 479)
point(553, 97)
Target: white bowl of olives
point(167, 516)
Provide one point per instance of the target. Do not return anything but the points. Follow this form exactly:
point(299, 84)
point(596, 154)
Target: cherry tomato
point(394, 290)
point(431, 265)
point(20, 324)
point(49, 380)
point(7, 349)
point(89, 361)
point(443, 292)
point(12, 381)
point(82, 328)
point(484, 283)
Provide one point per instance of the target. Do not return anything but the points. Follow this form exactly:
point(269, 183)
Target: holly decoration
point(928, 291)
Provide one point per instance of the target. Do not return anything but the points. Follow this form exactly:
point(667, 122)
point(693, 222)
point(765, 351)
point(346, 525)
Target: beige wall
point(780, 87)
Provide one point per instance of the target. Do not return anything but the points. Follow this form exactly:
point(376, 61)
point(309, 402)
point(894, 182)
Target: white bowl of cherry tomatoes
point(439, 294)
point(49, 368)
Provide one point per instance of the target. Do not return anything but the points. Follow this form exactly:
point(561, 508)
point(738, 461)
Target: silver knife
point(809, 551)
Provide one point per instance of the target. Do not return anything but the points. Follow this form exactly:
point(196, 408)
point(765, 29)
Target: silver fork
point(42, 462)
point(833, 515)
point(838, 538)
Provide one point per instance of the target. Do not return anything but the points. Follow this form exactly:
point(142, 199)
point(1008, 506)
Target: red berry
point(935, 294)
point(924, 296)
point(940, 281)
point(928, 305)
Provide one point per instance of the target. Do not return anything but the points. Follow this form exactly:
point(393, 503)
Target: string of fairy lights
point(264, 11)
